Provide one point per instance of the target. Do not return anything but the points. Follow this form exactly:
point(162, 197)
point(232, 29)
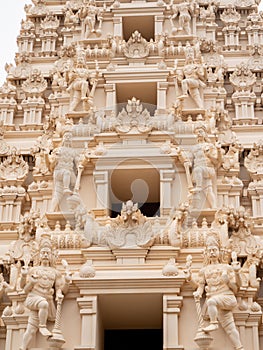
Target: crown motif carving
point(74, 4)
point(242, 78)
point(27, 27)
point(136, 46)
point(39, 8)
point(254, 161)
point(35, 85)
point(255, 62)
point(24, 248)
point(254, 19)
point(230, 15)
point(49, 24)
point(241, 239)
point(134, 116)
point(246, 3)
point(8, 92)
point(13, 169)
point(130, 229)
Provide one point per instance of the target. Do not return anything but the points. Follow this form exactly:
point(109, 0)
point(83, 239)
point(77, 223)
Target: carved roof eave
point(137, 8)
point(144, 76)
point(117, 284)
point(136, 155)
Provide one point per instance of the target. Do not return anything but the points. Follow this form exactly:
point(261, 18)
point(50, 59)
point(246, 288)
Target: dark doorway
point(130, 339)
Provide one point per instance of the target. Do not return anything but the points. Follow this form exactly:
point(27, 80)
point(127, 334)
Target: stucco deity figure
point(90, 14)
point(205, 158)
point(81, 84)
point(64, 162)
point(42, 283)
point(184, 11)
point(192, 78)
point(220, 281)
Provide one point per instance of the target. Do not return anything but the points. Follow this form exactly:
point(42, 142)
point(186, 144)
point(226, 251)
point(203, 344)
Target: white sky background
point(11, 14)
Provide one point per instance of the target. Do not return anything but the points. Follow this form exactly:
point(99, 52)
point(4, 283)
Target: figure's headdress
point(46, 242)
point(212, 240)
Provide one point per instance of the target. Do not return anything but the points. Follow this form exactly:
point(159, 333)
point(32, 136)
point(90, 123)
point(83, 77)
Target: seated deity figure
point(192, 77)
point(42, 283)
point(220, 281)
point(64, 162)
point(81, 84)
point(185, 11)
point(204, 158)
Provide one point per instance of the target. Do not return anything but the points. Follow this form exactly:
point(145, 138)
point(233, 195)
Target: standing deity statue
point(64, 161)
point(220, 281)
point(42, 283)
point(81, 83)
point(184, 11)
point(204, 159)
point(90, 15)
point(192, 78)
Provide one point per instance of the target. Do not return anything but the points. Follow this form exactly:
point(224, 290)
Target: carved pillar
point(67, 36)
point(161, 96)
point(171, 310)
point(244, 98)
point(26, 43)
point(8, 108)
point(228, 194)
point(256, 195)
point(110, 90)
point(158, 26)
point(34, 104)
point(33, 109)
point(15, 318)
point(101, 180)
point(231, 34)
point(11, 202)
point(59, 104)
point(40, 192)
point(117, 27)
point(8, 105)
point(211, 32)
point(88, 310)
point(215, 97)
point(166, 182)
point(49, 43)
point(13, 172)
point(194, 24)
point(244, 105)
point(245, 322)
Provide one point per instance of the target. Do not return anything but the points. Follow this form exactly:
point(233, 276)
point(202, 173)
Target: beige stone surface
point(130, 138)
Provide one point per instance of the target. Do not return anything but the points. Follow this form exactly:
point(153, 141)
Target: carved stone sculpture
point(184, 11)
point(81, 83)
point(14, 168)
point(220, 281)
point(192, 77)
point(41, 283)
point(136, 47)
point(130, 229)
point(204, 159)
point(64, 161)
point(91, 17)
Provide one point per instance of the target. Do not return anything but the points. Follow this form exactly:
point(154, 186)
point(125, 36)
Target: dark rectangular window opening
point(131, 339)
point(147, 209)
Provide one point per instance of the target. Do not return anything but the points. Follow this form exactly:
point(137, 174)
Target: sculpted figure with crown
point(220, 281)
point(42, 283)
